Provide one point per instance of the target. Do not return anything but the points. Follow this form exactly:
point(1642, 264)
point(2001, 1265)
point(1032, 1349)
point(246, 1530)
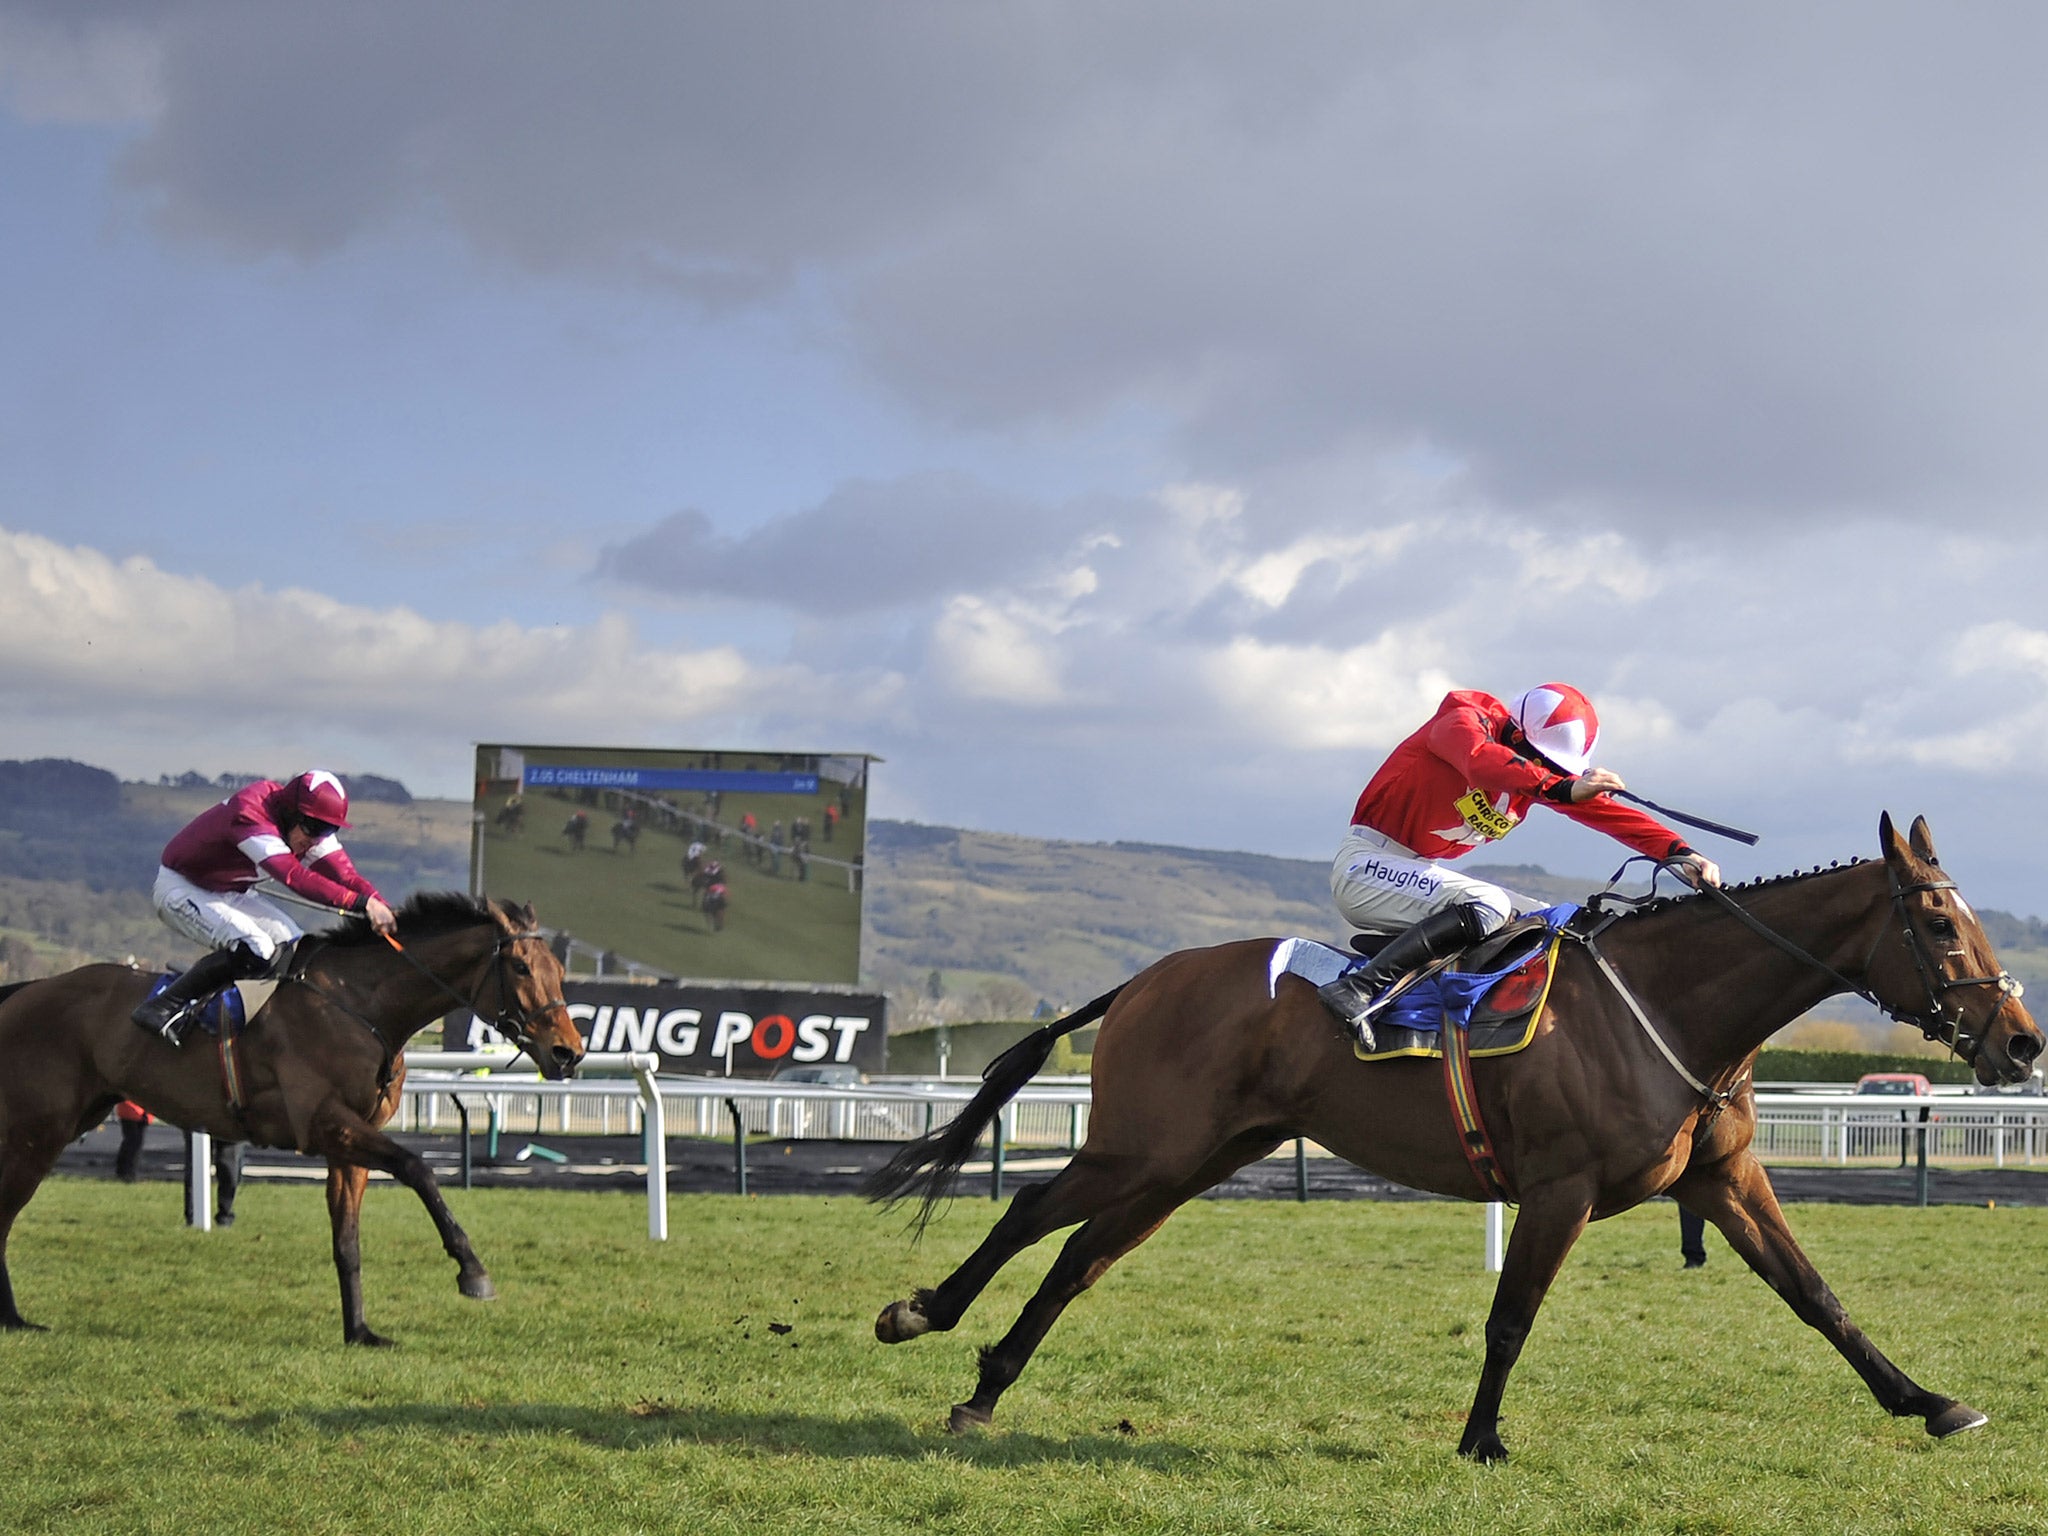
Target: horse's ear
point(1895, 850)
point(528, 918)
point(1923, 840)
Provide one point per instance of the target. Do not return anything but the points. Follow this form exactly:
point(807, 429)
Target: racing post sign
point(715, 1031)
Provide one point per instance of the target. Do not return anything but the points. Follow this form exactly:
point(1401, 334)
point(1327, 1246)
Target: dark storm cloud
point(1655, 259)
point(868, 545)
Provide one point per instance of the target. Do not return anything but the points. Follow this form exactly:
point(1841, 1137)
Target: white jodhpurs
point(1381, 887)
point(218, 919)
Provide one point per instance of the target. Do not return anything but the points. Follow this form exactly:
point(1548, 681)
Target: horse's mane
point(1761, 883)
point(425, 915)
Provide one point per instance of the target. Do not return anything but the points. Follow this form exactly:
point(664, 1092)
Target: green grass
point(1279, 1367)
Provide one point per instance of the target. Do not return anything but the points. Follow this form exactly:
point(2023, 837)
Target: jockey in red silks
point(1464, 780)
point(205, 888)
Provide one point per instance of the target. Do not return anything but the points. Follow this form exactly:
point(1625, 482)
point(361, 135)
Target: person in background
point(1692, 1238)
point(134, 1123)
point(227, 1160)
point(205, 889)
point(227, 1178)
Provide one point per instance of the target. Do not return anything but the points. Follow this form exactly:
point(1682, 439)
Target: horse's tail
point(926, 1167)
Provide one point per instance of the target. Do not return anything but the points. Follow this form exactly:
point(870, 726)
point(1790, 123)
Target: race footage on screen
point(693, 864)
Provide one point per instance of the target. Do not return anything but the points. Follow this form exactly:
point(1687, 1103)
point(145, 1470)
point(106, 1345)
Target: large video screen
point(693, 865)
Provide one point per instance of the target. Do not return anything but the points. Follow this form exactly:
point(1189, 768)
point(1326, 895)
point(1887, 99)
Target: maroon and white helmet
point(317, 795)
point(1560, 723)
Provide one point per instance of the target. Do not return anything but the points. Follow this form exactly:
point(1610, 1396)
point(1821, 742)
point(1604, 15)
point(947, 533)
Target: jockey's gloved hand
point(1595, 781)
point(1696, 869)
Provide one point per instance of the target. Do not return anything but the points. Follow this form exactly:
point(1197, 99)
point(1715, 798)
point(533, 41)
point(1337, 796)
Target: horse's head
point(1935, 968)
point(521, 994)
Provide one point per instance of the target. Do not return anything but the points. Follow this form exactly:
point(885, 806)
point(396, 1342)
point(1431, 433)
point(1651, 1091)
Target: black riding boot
point(167, 1013)
point(1350, 996)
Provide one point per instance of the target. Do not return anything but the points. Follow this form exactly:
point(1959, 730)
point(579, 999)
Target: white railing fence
point(1050, 1114)
point(1840, 1128)
point(444, 1092)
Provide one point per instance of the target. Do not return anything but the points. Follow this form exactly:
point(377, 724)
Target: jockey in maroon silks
point(1464, 780)
point(205, 889)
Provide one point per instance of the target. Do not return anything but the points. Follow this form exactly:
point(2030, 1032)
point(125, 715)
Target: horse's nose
point(2024, 1048)
point(567, 1059)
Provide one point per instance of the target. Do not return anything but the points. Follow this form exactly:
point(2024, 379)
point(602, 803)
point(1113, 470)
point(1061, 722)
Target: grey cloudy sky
point(1127, 420)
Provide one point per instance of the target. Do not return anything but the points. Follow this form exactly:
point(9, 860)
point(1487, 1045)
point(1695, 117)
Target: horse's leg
point(1086, 1257)
point(1736, 1196)
point(30, 1157)
point(1085, 1187)
point(345, 1184)
point(342, 1136)
point(1550, 1222)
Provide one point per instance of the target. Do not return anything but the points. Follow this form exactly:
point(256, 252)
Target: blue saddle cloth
point(221, 1011)
point(1453, 994)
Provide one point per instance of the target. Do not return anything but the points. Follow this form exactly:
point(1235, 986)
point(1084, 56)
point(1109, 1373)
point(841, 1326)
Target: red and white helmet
point(1560, 723)
point(317, 795)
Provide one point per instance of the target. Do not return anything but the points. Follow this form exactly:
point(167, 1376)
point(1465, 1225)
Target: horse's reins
point(512, 1021)
point(1932, 1024)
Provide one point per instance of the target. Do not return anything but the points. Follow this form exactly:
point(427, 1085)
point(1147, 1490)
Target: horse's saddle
point(1494, 990)
point(229, 1010)
point(225, 1017)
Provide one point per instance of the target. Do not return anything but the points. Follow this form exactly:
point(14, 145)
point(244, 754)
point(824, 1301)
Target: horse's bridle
point(1933, 1021)
point(512, 1020)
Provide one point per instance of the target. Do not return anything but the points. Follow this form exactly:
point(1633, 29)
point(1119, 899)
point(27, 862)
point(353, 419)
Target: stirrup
point(1356, 1016)
point(168, 1026)
point(1361, 1021)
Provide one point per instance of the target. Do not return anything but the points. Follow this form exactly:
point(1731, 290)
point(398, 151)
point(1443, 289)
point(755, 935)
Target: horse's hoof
point(370, 1339)
point(966, 1418)
point(1485, 1449)
point(477, 1287)
point(901, 1320)
point(1954, 1419)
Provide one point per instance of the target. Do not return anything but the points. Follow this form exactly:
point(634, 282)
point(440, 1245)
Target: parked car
point(1900, 1084)
point(1894, 1082)
point(835, 1076)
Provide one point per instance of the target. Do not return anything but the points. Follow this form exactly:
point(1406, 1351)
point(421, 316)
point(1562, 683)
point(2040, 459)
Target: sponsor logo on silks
point(1397, 877)
point(1482, 817)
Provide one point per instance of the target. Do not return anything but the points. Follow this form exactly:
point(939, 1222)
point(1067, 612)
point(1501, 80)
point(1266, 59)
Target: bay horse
point(320, 1063)
point(1635, 1084)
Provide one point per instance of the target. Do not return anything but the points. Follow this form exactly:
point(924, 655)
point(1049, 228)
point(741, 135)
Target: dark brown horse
point(322, 1062)
point(1198, 1071)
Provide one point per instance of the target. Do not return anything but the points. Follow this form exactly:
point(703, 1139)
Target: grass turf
point(1257, 1365)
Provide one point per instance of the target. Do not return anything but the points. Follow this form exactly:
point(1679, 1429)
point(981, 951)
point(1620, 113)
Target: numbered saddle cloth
point(1495, 991)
